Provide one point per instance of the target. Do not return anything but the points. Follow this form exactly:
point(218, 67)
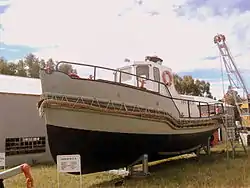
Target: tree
point(188, 86)
point(21, 69)
point(33, 65)
point(27, 67)
point(42, 63)
point(229, 99)
point(50, 63)
point(7, 68)
point(67, 68)
point(3, 66)
point(178, 84)
point(12, 68)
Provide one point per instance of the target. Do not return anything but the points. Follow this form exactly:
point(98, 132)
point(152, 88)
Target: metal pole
point(227, 136)
point(145, 164)
point(11, 172)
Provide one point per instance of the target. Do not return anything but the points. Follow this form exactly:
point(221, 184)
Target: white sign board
point(69, 163)
point(2, 160)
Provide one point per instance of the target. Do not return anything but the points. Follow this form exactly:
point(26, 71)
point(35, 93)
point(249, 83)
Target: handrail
point(115, 70)
point(148, 79)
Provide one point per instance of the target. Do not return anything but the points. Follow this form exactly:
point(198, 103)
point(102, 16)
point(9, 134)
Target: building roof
point(32, 86)
point(20, 85)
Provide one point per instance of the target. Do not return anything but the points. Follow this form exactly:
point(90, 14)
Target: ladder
point(232, 134)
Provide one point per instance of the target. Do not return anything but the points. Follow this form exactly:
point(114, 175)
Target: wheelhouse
point(148, 72)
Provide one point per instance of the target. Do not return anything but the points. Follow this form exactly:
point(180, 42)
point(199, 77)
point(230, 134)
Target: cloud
point(4, 5)
point(92, 31)
point(105, 32)
point(217, 88)
point(222, 8)
point(211, 58)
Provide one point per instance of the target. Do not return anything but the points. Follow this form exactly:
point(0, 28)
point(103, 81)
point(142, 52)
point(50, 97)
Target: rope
point(167, 118)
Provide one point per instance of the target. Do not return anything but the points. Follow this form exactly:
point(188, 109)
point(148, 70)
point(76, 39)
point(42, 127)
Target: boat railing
point(156, 87)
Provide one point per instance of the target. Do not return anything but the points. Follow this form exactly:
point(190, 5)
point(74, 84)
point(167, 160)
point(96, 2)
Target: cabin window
point(143, 71)
point(156, 74)
point(25, 145)
point(125, 77)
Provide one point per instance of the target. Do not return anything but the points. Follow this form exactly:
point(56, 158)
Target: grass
point(207, 171)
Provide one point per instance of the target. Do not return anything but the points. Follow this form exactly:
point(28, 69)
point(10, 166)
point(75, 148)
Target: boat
point(111, 123)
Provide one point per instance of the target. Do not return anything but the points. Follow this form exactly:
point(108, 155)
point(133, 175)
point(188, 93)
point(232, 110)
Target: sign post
point(2, 160)
point(68, 163)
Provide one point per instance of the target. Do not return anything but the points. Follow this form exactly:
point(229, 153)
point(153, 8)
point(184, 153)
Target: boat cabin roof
point(149, 60)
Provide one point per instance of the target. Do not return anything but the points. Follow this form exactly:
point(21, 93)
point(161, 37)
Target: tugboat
point(112, 123)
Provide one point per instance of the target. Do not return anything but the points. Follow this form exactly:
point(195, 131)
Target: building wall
point(19, 118)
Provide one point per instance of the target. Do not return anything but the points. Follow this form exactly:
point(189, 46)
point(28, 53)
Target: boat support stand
point(206, 147)
point(135, 170)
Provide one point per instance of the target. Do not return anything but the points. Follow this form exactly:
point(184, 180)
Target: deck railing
point(156, 87)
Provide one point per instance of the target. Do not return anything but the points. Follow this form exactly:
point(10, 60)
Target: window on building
point(156, 74)
point(143, 71)
point(25, 145)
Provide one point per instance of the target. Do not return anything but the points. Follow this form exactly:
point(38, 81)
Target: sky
point(106, 32)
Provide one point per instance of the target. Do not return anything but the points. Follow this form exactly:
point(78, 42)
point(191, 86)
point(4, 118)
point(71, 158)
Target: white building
point(22, 132)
